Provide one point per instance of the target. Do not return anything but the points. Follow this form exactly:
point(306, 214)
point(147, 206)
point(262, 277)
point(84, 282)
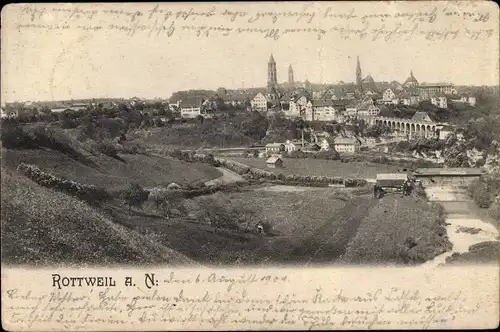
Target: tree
point(170, 202)
point(135, 196)
point(456, 156)
point(217, 215)
point(247, 217)
point(254, 126)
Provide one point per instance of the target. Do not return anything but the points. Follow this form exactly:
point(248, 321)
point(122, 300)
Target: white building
point(351, 109)
point(367, 109)
point(347, 145)
point(328, 110)
point(190, 108)
point(298, 105)
point(275, 148)
point(291, 146)
point(440, 100)
point(434, 88)
point(259, 102)
point(388, 95)
point(472, 101)
point(73, 107)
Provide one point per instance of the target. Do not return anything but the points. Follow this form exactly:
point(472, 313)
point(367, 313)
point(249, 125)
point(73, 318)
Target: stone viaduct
point(409, 127)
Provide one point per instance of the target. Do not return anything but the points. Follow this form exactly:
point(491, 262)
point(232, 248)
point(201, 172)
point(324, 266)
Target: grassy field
point(399, 230)
point(110, 173)
point(292, 215)
point(44, 227)
point(320, 167)
point(315, 225)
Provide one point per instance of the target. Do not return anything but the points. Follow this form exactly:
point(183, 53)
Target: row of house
point(340, 144)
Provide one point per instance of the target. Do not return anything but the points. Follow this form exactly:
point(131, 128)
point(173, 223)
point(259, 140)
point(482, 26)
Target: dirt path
point(226, 178)
point(462, 213)
point(284, 188)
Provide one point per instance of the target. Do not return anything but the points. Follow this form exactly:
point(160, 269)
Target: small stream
point(462, 213)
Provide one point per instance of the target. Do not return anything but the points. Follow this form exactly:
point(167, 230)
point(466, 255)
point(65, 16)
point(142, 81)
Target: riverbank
point(475, 239)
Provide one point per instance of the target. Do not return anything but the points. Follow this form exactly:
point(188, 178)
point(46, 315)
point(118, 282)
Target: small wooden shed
point(274, 162)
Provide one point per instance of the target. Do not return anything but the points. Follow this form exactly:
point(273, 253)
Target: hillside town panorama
point(318, 170)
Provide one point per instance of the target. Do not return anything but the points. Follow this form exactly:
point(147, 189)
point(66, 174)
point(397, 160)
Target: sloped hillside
point(110, 173)
point(41, 226)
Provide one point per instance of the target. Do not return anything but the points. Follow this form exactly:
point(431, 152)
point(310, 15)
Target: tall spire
point(358, 73)
point(290, 75)
point(272, 78)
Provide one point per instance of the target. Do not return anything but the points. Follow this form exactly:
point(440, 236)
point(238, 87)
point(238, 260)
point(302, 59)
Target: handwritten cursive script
point(218, 300)
point(427, 23)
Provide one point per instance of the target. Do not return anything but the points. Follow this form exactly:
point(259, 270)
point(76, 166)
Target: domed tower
point(410, 81)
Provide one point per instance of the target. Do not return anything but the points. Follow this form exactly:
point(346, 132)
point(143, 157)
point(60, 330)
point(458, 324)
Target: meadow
point(318, 167)
point(110, 173)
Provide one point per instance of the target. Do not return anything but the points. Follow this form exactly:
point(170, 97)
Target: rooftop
point(322, 102)
point(273, 160)
point(192, 102)
point(448, 171)
point(421, 116)
point(346, 140)
point(392, 176)
point(274, 145)
point(435, 84)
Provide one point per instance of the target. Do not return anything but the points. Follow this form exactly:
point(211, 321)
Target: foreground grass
point(292, 215)
point(399, 230)
point(43, 227)
point(329, 242)
point(318, 167)
point(112, 174)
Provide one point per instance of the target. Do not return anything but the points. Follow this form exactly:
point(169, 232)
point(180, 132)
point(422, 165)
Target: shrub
point(14, 137)
point(165, 200)
point(355, 182)
point(130, 149)
point(135, 196)
point(268, 227)
point(217, 215)
point(107, 149)
point(479, 191)
point(494, 211)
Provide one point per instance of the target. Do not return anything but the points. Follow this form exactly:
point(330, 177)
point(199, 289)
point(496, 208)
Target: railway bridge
point(412, 128)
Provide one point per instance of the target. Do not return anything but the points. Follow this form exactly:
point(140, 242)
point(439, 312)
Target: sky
point(41, 64)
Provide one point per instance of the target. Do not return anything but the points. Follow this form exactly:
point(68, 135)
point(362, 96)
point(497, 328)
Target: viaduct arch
point(408, 127)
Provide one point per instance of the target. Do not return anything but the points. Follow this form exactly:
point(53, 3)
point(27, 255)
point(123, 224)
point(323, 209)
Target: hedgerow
point(88, 193)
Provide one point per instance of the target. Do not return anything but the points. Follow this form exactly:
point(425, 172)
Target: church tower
point(290, 75)
point(358, 74)
point(272, 79)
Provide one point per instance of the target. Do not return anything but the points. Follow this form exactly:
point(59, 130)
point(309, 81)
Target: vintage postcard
point(250, 166)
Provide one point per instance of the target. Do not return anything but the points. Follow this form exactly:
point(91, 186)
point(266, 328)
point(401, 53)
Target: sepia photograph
point(280, 135)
